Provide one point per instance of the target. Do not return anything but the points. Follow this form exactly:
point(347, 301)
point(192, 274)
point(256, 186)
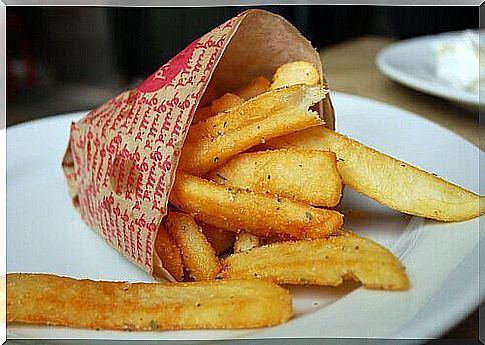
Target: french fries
point(54, 300)
point(253, 89)
point(293, 73)
point(230, 201)
point(245, 241)
point(308, 176)
point(320, 262)
point(211, 143)
point(169, 255)
point(223, 103)
point(229, 100)
point(260, 214)
point(221, 240)
point(389, 181)
point(198, 255)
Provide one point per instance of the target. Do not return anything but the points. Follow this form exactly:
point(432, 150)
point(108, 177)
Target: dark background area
point(62, 59)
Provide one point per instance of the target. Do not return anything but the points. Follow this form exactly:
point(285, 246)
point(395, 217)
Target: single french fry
point(320, 262)
point(169, 254)
point(254, 88)
point(54, 300)
point(226, 102)
point(263, 215)
point(245, 241)
point(310, 176)
point(221, 240)
point(198, 255)
point(293, 73)
point(211, 143)
point(223, 103)
point(389, 181)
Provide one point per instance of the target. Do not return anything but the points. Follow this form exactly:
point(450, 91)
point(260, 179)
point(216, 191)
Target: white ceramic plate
point(45, 234)
point(412, 63)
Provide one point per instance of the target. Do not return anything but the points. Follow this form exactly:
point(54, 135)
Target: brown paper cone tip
point(121, 159)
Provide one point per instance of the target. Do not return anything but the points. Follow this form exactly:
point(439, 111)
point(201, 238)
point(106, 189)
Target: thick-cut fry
point(223, 103)
point(55, 300)
point(298, 72)
point(263, 215)
point(169, 255)
point(231, 100)
point(213, 142)
point(254, 88)
point(310, 176)
point(226, 102)
point(320, 262)
point(199, 257)
point(221, 240)
point(245, 241)
point(389, 181)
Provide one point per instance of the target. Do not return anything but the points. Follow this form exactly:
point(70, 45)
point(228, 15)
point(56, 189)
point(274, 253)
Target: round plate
point(412, 62)
point(45, 234)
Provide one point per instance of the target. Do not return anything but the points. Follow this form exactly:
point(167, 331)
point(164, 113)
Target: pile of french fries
point(254, 204)
point(259, 181)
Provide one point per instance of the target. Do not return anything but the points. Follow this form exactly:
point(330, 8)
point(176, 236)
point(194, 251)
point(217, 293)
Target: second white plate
point(412, 62)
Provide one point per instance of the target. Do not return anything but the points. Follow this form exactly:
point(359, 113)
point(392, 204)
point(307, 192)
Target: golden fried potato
point(198, 255)
point(263, 215)
point(169, 255)
point(254, 88)
point(54, 300)
point(213, 142)
point(310, 176)
point(389, 181)
point(221, 240)
point(320, 262)
point(229, 100)
point(293, 73)
point(219, 105)
point(226, 102)
point(245, 241)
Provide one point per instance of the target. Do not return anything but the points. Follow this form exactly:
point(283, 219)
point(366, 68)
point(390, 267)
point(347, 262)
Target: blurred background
point(63, 59)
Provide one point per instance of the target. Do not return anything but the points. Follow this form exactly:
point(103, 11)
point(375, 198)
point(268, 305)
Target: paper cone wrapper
point(121, 159)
